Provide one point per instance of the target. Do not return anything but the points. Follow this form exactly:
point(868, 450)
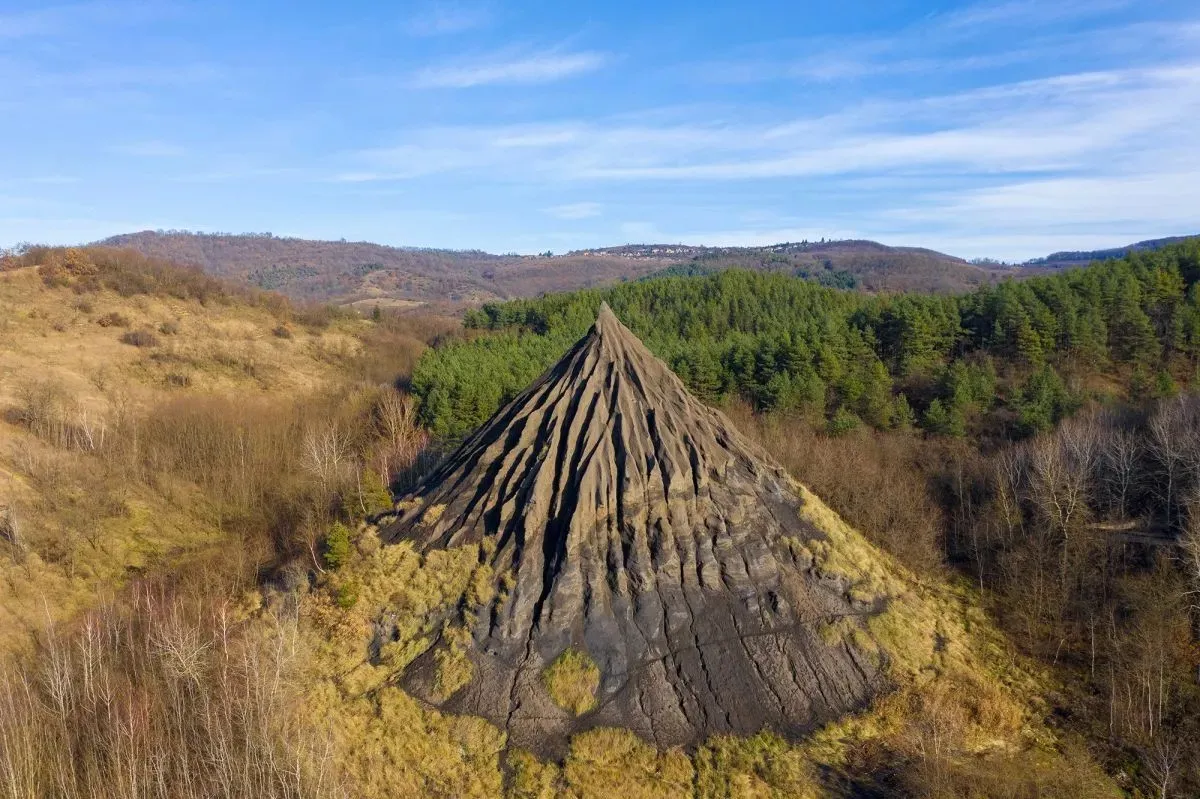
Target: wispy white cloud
point(585, 210)
point(445, 18)
point(97, 88)
point(1170, 200)
point(533, 68)
point(961, 41)
point(1067, 122)
point(1099, 141)
point(1002, 170)
point(987, 16)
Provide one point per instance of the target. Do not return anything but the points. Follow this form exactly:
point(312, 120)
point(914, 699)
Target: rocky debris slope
point(649, 567)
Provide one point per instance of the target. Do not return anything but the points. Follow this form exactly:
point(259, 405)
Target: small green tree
point(346, 595)
point(1164, 385)
point(842, 422)
point(337, 546)
point(903, 417)
point(943, 420)
point(1041, 401)
point(367, 497)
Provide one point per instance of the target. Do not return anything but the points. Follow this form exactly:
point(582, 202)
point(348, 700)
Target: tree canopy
point(1014, 357)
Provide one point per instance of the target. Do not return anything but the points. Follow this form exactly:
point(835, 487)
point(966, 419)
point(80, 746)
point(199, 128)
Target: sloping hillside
point(167, 438)
point(365, 273)
point(346, 272)
point(867, 265)
point(1066, 260)
point(147, 412)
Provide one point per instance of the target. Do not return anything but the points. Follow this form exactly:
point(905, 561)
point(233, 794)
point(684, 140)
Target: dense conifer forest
point(1034, 439)
point(1007, 360)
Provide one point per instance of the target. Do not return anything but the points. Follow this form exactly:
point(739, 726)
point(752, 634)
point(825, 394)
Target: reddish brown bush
point(113, 319)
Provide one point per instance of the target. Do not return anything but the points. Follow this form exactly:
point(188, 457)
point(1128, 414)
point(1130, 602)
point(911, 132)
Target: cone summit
point(641, 552)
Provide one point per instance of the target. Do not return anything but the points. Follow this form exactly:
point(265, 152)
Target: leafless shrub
point(10, 532)
point(46, 409)
point(325, 453)
point(161, 699)
point(41, 407)
point(402, 440)
point(140, 338)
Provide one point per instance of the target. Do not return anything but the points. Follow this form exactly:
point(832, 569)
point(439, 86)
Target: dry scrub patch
point(220, 344)
point(572, 680)
point(87, 424)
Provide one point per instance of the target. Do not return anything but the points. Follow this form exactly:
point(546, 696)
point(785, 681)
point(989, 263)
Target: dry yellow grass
point(572, 680)
point(52, 332)
point(113, 529)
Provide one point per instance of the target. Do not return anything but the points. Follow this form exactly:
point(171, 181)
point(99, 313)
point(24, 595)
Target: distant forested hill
point(1011, 358)
point(866, 265)
point(343, 271)
point(1061, 260)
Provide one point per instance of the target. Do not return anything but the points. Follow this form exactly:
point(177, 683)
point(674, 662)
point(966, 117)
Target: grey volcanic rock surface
point(629, 521)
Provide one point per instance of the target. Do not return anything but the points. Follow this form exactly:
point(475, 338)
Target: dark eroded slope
point(626, 520)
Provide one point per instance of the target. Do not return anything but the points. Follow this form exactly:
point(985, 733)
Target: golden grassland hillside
point(147, 413)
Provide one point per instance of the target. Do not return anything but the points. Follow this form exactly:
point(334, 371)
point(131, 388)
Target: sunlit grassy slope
point(65, 358)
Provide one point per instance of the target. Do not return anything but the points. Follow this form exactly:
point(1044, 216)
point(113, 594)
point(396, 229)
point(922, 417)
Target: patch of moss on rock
point(572, 680)
point(530, 778)
point(454, 670)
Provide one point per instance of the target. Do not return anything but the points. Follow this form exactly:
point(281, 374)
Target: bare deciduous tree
point(403, 439)
point(1174, 442)
point(1122, 455)
point(161, 699)
point(1162, 759)
point(325, 453)
point(10, 531)
point(1189, 544)
point(1062, 470)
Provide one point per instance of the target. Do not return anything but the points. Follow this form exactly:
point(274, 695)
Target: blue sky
point(1005, 129)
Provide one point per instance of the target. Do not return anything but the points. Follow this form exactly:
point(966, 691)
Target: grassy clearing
point(210, 437)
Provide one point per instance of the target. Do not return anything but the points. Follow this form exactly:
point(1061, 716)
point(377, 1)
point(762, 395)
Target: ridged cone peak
point(624, 519)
